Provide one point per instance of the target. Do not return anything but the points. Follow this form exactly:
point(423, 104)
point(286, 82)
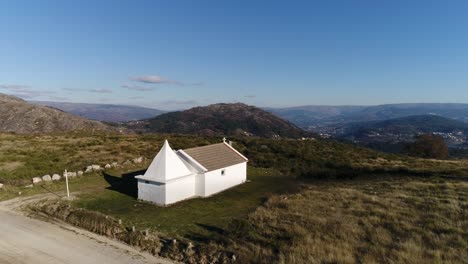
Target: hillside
point(220, 119)
point(297, 191)
point(315, 117)
point(104, 112)
point(19, 116)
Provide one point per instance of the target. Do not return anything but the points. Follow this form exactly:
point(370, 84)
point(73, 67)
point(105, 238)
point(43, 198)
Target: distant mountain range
point(220, 119)
point(391, 135)
point(315, 117)
point(19, 116)
point(366, 125)
point(407, 125)
point(104, 112)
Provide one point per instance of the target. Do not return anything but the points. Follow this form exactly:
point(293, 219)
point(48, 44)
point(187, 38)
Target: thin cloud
point(138, 88)
point(250, 96)
point(155, 79)
point(100, 91)
point(72, 90)
point(24, 91)
point(14, 87)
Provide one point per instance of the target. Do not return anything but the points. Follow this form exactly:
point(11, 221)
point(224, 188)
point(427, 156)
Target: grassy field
point(193, 218)
point(25, 156)
point(306, 202)
point(393, 220)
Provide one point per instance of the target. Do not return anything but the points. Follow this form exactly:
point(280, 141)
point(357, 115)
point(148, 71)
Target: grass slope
point(393, 220)
point(307, 201)
point(195, 218)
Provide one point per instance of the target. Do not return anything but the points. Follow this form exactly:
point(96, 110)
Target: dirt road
point(26, 240)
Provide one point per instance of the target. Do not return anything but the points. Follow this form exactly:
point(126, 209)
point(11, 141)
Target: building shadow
point(127, 184)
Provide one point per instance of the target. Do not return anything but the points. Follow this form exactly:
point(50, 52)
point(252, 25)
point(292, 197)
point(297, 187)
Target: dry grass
point(404, 220)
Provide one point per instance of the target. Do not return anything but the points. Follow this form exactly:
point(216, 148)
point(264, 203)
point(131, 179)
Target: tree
point(428, 146)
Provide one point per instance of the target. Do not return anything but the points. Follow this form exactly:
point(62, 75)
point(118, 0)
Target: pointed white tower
point(166, 166)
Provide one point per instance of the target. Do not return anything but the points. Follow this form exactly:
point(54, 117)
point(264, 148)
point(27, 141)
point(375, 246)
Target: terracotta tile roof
point(215, 156)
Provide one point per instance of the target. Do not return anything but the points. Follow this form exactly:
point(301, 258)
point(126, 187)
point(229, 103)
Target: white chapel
point(196, 172)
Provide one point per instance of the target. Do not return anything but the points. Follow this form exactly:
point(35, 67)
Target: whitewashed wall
point(200, 185)
point(194, 185)
point(152, 192)
point(215, 182)
point(180, 189)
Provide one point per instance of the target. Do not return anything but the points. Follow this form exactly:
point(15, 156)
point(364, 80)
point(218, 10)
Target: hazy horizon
point(261, 106)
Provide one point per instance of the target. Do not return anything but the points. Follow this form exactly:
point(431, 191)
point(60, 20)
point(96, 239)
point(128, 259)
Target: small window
point(223, 172)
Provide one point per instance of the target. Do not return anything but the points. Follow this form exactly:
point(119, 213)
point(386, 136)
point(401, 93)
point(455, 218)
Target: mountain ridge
point(220, 119)
point(104, 112)
point(19, 116)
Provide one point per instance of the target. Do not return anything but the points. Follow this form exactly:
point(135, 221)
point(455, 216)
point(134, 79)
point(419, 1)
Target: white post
point(66, 181)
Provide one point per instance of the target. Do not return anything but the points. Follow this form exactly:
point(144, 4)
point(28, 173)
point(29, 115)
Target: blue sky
point(177, 54)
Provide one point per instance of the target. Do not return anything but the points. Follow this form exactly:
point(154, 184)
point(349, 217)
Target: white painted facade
point(174, 176)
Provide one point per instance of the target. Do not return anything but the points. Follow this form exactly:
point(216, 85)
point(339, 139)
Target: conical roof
point(166, 166)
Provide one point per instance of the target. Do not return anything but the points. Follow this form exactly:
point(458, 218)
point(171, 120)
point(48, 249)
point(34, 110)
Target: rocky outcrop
point(46, 178)
point(89, 169)
point(36, 180)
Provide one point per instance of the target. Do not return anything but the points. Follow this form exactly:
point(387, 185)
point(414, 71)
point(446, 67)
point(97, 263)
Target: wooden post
point(66, 182)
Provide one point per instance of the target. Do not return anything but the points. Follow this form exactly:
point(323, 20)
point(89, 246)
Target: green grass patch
point(191, 218)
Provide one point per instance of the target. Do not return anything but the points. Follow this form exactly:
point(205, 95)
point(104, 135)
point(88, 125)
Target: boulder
point(1, 185)
point(56, 177)
point(70, 174)
point(89, 169)
point(46, 178)
point(80, 173)
point(114, 164)
point(127, 162)
point(96, 167)
point(108, 166)
point(138, 160)
point(36, 180)
point(29, 186)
